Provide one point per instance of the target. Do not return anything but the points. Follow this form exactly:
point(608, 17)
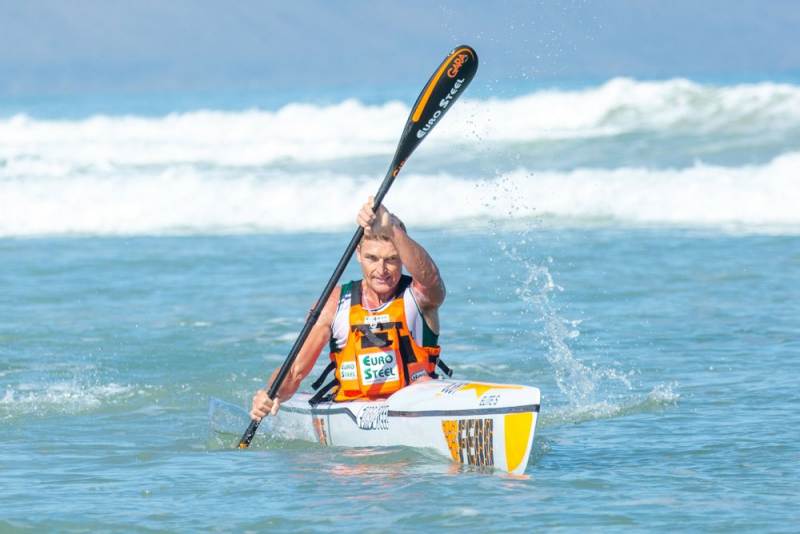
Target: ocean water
point(631, 248)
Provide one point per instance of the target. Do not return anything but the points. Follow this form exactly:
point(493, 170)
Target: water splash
point(591, 392)
point(661, 396)
point(580, 384)
point(60, 398)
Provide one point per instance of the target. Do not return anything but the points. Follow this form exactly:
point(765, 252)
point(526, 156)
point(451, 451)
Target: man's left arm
point(428, 285)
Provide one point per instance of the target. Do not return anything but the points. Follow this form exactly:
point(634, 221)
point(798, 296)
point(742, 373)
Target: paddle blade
point(443, 88)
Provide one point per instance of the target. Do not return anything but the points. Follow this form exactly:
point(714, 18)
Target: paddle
point(438, 95)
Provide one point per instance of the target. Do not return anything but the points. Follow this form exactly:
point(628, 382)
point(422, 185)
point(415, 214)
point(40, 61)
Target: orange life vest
point(380, 355)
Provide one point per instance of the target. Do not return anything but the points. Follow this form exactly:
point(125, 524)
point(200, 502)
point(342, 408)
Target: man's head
point(380, 264)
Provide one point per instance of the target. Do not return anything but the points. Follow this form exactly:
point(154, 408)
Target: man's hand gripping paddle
point(442, 90)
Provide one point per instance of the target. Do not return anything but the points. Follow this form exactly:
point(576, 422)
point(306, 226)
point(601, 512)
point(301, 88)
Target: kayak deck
point(473, 423)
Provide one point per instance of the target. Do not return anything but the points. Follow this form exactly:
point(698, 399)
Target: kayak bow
point(473, 423)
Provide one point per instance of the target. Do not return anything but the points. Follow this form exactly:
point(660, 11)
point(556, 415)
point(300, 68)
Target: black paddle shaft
point(443, 88)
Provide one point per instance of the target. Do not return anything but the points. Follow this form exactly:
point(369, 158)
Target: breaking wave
point(306, 132)
point(185, 201)
point(256, 170)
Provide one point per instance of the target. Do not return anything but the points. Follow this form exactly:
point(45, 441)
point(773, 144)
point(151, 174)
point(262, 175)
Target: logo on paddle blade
point(458, 62)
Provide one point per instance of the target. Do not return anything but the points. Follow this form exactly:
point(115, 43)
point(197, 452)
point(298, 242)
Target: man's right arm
point(317, 339)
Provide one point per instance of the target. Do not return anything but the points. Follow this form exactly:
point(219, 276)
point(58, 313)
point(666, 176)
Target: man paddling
point(382, 330)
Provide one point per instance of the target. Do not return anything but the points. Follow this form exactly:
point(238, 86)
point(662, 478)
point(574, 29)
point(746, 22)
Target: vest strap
point(318, 382)
point(407, 354)
point(320, 395)
point(378, 326)
point(445, 368)
point(441, 365)
point(374, 339)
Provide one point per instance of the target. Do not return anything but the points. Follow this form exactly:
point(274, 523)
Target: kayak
point(472, 423)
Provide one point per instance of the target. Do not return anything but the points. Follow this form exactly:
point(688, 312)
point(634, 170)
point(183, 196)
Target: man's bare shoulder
point(428, 299)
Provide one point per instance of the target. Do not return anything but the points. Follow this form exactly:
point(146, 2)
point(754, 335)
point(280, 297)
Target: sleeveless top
point(422, 334)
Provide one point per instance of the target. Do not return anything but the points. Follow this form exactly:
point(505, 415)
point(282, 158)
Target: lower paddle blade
point(225, 420)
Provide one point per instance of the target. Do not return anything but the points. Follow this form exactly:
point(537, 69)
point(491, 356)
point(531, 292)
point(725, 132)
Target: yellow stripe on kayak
point(450, 429)
point(518, 432)
point(480, 389)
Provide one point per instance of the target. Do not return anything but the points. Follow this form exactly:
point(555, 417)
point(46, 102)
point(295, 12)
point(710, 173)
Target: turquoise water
point(631, 248)
point(666, 359)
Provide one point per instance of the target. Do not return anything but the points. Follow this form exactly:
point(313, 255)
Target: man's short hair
point(375, 237)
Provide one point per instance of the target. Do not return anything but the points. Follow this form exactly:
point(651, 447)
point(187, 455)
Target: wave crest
point(255, 170)
point(308, 132)
point(186, 201)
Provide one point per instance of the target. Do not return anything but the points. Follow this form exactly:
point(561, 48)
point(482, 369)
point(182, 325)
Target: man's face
point(380, 265)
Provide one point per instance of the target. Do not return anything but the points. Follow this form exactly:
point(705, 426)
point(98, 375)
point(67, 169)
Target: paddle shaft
point(442, 89)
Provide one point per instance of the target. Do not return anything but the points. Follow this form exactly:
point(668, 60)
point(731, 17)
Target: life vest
point(380, 356)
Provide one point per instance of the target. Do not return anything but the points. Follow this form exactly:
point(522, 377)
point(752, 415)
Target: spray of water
point(590, 392)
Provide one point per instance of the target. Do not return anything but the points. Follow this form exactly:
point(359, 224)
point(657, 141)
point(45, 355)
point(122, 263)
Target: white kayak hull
point(473, 423)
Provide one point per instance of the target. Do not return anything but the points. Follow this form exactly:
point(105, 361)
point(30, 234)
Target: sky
point(54, 47)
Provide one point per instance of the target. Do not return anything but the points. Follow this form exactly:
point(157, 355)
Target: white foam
point(307, 132)
point(59, 398)
point(624, 105)
point(220, 172)
point(659, 398)
point(185, 200)
point(701, 195)
point(297, 131)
